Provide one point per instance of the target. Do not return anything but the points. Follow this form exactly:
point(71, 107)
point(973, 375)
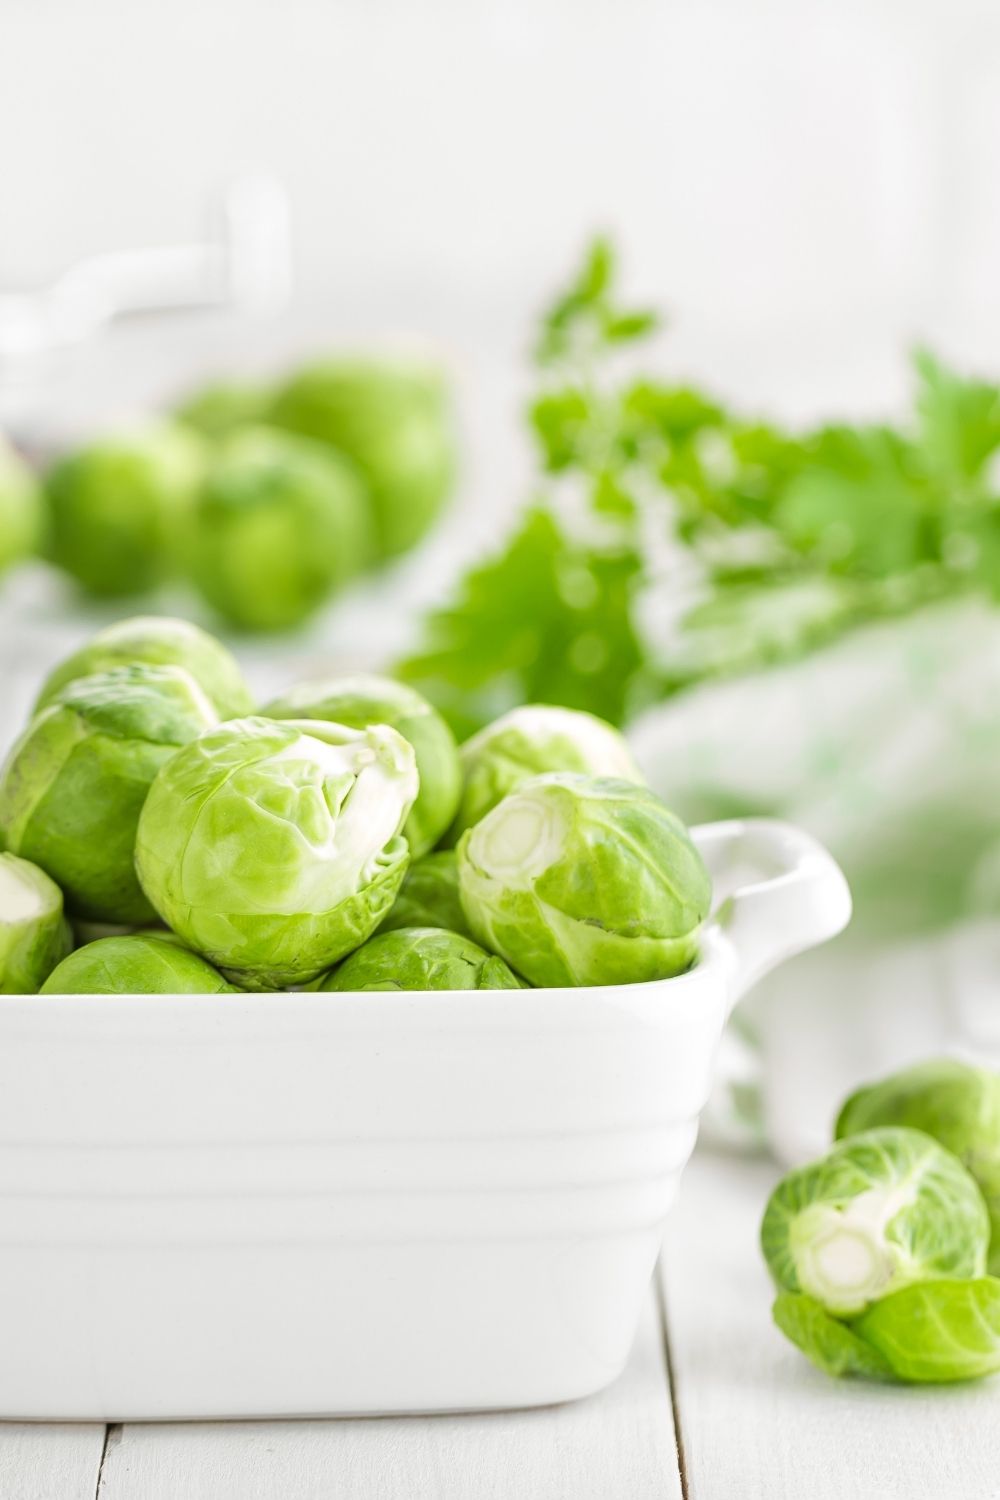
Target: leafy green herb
point(745, 544)
point(548, 621)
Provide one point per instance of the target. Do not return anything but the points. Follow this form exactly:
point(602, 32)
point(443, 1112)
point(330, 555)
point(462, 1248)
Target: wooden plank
point(59, 1461)
point(617, 1444)
point(756, 1420)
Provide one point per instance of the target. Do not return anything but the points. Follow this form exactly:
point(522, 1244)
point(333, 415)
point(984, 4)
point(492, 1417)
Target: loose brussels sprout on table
point(74, 784)
point(391, 419)
point(141, 964)
point(361, 701)
point(530, 741)
point(157, 641)
point(21, 512)
point(579, 880)
point(279, 524)
point(957, 1104)
point(879, 1251)
point(429, 896)
point(120, 506)
point(34, 934)
point(274, 849)
point(421, 958)
point(881, 1210)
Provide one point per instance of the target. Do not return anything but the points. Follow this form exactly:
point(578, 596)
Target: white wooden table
point(713, 1406)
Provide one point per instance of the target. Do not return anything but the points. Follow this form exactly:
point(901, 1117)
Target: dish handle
point(777, 892)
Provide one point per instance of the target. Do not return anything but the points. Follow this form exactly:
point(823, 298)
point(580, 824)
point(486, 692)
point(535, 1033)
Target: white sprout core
point(842, 1255)
point(518, 840)
point(385, 784)
point(20, 898)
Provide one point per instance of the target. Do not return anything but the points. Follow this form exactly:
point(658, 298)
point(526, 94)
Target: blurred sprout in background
point(22, 516)
point(267, 495)
point(120, 508)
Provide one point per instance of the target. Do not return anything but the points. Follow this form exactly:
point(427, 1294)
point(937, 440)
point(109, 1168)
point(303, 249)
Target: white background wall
point(809, 187)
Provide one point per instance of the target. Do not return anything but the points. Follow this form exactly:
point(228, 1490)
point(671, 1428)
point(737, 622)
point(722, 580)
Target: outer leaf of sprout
point(937, 1330)
point(832, 1346)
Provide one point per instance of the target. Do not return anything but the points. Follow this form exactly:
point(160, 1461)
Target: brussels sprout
point(143, 964)
point(220, 409)
point(429, 896)
point(392, 420)
point(274, 848)
point(279, 524)
point(928, 1332)
point(34, 934)
point(421, 958)
point(158, 641)
point(21, 510)
point(956, 1104)
point(527, 742)
point(73, 785)
point(579, 880)
point(360, 701)
point(120, 506)
point(882, 1210)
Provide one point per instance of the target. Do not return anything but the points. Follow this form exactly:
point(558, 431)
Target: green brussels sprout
point(224, 407)
point(279, 524)
point(392, 420)
point(956, 1104)
point(275, 848)
point(119, 508)
point(530, 741)
point(34, 934)
point(158, 641)
point(429, 896)
point(142, 964)
point(360, 701)
point(927, 1332)
point(880, 1211)
point(421, 958)
point(579, 880)
point(21, 509)
point(73, 785)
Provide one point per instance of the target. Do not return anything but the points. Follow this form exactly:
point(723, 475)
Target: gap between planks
point(671, 1374)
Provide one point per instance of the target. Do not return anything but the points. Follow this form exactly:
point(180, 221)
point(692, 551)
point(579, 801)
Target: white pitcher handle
point(777, 892)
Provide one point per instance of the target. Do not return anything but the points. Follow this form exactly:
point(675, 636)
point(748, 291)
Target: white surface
point(808, 189)
point(756, 1422)
point(272, 1205)
point(55, 1462)
point(618, 1443)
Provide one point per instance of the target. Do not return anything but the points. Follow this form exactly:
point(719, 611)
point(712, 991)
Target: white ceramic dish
point(277, 1205)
